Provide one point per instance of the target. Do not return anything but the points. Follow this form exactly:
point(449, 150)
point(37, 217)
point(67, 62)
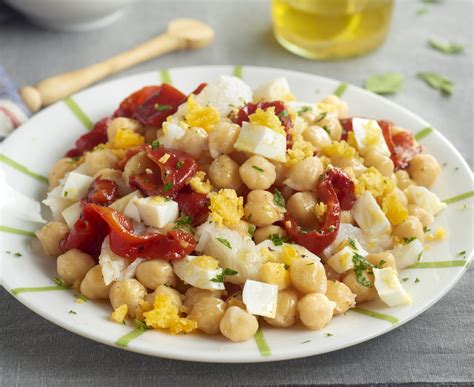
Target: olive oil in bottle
point(329, 29)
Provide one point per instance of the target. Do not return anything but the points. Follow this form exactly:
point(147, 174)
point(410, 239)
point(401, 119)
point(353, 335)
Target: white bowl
point(76, 15)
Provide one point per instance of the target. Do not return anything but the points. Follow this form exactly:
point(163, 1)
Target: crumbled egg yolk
point(268, 255)
point(166, 315)
point(320, 209)
point(289, 254)
point(393, 208)
point(267, 118)
point(438, 235)
point(200, 184)
point(339, 149)
point(118, 315)
point(203, 117)
point(351, 139)
point(157, 199)
point(206, 262)
point(372, 180)
point(300, 150)
point(226, 207)
point(126, 138)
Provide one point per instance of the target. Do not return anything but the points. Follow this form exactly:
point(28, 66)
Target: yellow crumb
point(267, 118)
point(438, 235)
point(300, 150)
point(289, 254)
point(163, 159)
point(119, 314)
point(200, 184)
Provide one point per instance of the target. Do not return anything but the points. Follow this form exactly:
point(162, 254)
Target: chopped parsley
point(225, 242)
point(352, 243)
point(408, 240)
point(405, 279)
point(277, 239)
point(445, 48)
point(155, 144)
point(179, 164)
point(306, 341)
point(258, 168)
point(437, 81)
point(380, 264)
point(426, 229)
point(278, 199)
point(162, 108)
point(183, 222)
point(326, 129)
point(8, 251)
point(167, 187)
point(283, 113)
point(461, 253)
point(322, 116)
point(17, 254)
point(304, 109)
point(65, 193)
point(331, 228)
point(417, 280)
point(360, 266)
point(251, 230)
point(327, 334)
point(388, 83)
point(72, 312)
point(220, 277)
point(140, 324)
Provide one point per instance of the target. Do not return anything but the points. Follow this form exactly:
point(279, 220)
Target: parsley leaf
point(225, 242)
point(408, 240)
point(438, 82)
point(426, 229)
point(417, 280)
point(183, 222)
point(278, 199)
point(380, 264)
point(155, 144)
point(327, 334)
point(278, 240)
point(72, 312)
point(304, 109)
point(179, 164)
point(352, 243)
point(220, 277)
point(445, 48)
point(461, 253)
point(258, 168)
point(388, 83)
point(283, 113)
point(167, 187)
point(360, 266)
point(162, 108)
point(251, 229)
point(405, 279)
point(17, 254)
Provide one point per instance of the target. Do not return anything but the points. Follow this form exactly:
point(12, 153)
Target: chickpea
point(238, 325)
point(260, 208)
point(362, 292)
point(281, 172)
point(424, 169)
point(137, 165)
point(176, 297)
point(121, 123)
point(286, 309)
point(275, 273)
point(222, 138)
point(73, 266)
point(315, 310)
point(59, 170)
point(93, 286)
point(425, 217)
point(194, 142)
point(224, 173)
point(401, 196)
point(244, 228)
point(258, 173)
point(128, 292)
point(304, 175)
point(346, 217)
point(308, 276)
point(403, 179)
point(317, 136)
point(376, 258)
point(301, 206)
point(193, 295)
point(341, 105)
point(379, 161)
point(208, 313)
point(410, 228)
point(99, 159)
point(50, 236)
point(116, 176)
point(263, 233)
point(154, 273)
point(341, 295)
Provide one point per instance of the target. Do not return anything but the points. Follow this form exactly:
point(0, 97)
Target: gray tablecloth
point(436, 347)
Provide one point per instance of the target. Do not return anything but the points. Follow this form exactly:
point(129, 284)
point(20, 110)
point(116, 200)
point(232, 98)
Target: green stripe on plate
point(16, 231)
point(238, 71)
point(423, 133)
point(21, 168)
point(17, 291)
point(341, 89)
point(441, 264)
point(460, 197)
point(262, 343)
point(127, 338)
point(79, 113)
point(165, 76)
point(380, 316)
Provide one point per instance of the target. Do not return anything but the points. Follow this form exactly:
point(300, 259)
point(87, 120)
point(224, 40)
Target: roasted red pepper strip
point(103, 221)
point(198, 89)
point(406, 148)
point(336, 190)
point(88, 141)
point(195, 205)
point(102, 192)
point(176, 167)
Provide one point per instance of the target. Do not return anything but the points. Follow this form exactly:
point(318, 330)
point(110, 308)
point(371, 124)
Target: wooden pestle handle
point(181, 34)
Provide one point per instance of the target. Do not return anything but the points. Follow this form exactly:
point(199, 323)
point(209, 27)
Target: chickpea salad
point(230, 208)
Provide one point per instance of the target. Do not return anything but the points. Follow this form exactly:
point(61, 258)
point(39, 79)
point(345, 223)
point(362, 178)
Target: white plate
point(45, 138)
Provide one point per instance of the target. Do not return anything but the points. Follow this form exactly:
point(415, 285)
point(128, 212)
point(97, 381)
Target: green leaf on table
point(438, 82)
point(445, 48)
point(432, 1)
point(422, 11)
point(388, 83)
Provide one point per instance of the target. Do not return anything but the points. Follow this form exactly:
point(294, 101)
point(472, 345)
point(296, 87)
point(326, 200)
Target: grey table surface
point(436, 347)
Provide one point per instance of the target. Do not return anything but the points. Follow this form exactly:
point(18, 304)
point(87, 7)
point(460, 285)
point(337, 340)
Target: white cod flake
point(196, 275)
point(424, 198)
point(369, 216)
point(389, 288)
point(368, 135)
point(113, 266)
point(407, 254)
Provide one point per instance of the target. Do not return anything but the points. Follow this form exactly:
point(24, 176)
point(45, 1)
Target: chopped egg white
point(261, 140)
point(389, 288)
point(172, 131)
point(369, 216)
point(56, 202)
point(131, 210)
point(407, 254)
point(343, 259)
point(260, 298)
point(274, 90)
point(76, 185)
point(368, 135)
point(424, 198)
point(199, 271)
point(157, 211)
point(71, 214)
point(285, 252)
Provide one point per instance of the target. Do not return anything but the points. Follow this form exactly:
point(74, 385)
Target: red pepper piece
point(346, 124)
point(335, 189)
point(195, 205)
point(88, 141)
point(198, 89)
point(97, 222)
point(406, 148)
point(128, 106)
point(129, 153)
point(176, 171)
point(102, 192)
